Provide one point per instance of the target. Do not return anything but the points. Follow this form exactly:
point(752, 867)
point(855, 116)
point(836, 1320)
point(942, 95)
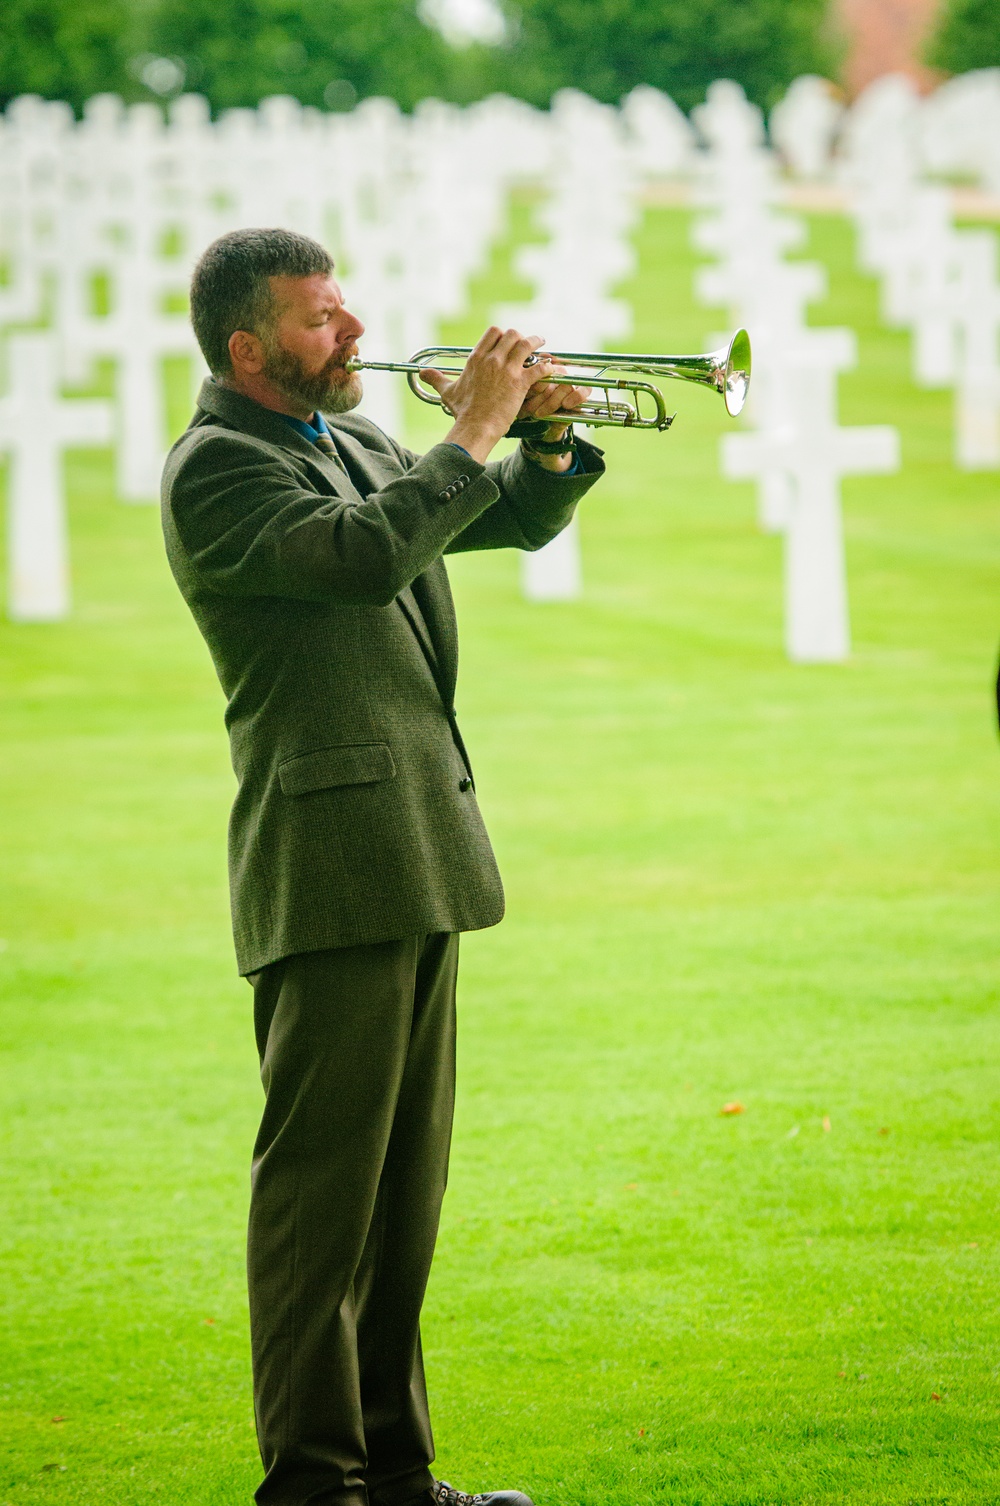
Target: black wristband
point(564, 446)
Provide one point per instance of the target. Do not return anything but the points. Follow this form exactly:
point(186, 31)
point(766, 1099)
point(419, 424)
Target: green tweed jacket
point(324, 600)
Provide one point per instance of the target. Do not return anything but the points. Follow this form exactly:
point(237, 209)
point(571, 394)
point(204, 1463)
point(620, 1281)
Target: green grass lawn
point(729, 879)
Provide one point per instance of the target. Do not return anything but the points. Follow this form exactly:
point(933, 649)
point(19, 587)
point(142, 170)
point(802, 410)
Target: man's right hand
point(487, 395)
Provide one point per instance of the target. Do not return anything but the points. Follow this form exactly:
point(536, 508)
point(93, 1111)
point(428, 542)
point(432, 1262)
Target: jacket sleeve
point(239, 521)
point(534, 504)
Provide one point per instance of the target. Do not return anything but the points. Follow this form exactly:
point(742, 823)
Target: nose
point(354, 329)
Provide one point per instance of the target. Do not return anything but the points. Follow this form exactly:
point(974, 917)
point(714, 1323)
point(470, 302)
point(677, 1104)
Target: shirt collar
point(310, 431)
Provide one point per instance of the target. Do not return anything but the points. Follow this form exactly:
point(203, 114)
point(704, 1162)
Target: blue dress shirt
point(308, 431)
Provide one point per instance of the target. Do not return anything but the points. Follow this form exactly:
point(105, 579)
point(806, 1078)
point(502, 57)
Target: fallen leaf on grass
point(841, 1374)
point(732, 1108)
point(642, 1432)
point(46, 1468)
point(826, 1123)
point(935, 1396)
point(210, 1322)
point(58, 1419)
point(884, 1130)
point(631, 1186)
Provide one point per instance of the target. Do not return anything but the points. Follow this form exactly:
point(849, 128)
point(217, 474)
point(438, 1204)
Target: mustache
point(338, 361)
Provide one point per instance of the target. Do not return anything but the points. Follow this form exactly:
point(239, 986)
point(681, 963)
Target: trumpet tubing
point(726, 371)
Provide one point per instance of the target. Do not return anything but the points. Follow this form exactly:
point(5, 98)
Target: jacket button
point(465, 784)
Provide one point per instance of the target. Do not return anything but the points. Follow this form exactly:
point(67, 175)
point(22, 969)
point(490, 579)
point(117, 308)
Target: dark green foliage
point(63, 50)
point(331, 52)
point(239, 51)
point(605, 47)
point(968, 36)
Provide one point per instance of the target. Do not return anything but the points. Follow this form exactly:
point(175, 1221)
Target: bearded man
point(309, 546)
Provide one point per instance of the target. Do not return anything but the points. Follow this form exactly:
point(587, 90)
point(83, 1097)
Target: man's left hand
point(548, 397)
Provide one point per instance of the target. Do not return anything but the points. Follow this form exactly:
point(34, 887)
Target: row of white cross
point(590, 214)
point(101, 221)
point(939, 282)
point(952, 133)
point(797, 452)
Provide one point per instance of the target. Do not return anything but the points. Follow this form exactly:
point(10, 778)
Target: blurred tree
point(324, 52)
point(605, 47)
point(63, 49)
point(332, 52)
point(967, 36)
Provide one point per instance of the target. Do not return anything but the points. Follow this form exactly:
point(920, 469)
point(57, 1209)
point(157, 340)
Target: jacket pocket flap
point(323, 768)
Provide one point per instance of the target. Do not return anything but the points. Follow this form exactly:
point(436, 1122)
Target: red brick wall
point(885, 36)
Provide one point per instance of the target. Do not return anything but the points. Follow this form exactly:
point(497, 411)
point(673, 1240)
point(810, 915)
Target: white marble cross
point(729, 123)
point(814, 453)
point(920, 265)
point(959, 127)
point(36, 426)
point(785, 357)
point(137, 334)
point(661, 139)
point(977, 390)
point(923, 238)
point(554, 572)
point(590, 217)
point(804, 124)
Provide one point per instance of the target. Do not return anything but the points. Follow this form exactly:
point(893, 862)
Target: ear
point(246, 352)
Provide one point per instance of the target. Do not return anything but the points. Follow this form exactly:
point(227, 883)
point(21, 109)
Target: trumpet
point(726, 371)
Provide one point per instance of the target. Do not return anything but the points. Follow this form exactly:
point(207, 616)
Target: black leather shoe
point(443, 1494)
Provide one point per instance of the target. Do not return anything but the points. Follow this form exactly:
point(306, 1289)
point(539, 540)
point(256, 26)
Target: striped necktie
point(325, 443)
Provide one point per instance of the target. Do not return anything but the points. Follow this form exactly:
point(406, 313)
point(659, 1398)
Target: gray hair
point(230, 288)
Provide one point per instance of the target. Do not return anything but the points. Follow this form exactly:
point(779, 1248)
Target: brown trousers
point(357, 1051)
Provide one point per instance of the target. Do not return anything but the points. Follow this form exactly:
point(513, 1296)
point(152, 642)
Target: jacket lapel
point(239, 412)
point(427, 604)
point(361, 465)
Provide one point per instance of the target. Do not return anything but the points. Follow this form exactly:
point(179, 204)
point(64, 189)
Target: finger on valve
point(546, 402)
point(488, 340)
point(517, 347)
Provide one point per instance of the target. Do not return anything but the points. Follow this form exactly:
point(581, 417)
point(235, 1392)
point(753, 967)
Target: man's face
point(309, 342)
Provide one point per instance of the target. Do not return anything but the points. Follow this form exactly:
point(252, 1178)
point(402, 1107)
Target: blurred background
point(333, 52)
point(722, 1223)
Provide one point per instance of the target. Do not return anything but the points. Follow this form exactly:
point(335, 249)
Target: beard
point(332, 389)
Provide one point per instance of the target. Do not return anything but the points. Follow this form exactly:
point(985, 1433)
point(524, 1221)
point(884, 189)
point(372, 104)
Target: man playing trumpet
point(309, 546)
